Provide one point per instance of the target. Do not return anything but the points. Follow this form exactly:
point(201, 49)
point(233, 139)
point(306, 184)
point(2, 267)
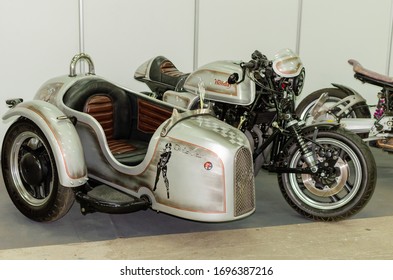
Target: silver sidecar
point(114, 150)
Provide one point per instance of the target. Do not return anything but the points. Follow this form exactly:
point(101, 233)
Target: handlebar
point(257, 61)
point(249, 65)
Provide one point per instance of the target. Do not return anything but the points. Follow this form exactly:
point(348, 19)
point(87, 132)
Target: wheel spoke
point(42, 191)
point(31, 189)
point(24, 149)
point(344, 156)
point(334, 198)
point(348, 187)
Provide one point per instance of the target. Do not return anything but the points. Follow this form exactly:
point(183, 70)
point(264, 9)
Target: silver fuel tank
point(215, 81)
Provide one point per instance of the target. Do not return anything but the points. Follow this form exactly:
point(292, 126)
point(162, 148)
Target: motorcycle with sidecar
point(324, 171)
point(116, 151)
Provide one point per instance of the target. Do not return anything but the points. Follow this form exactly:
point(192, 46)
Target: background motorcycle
point(345, 105)
point(324, 172)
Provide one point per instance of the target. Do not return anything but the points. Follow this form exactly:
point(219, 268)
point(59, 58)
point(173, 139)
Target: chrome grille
point(244, 182)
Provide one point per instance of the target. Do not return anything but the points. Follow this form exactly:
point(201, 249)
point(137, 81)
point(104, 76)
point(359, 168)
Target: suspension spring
point(307, 154)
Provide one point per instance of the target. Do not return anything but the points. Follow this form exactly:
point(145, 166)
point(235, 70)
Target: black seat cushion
point(164, 71)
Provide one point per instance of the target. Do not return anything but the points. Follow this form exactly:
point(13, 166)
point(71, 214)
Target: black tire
point(339, 193)
point(30, 174)
point(359, 110)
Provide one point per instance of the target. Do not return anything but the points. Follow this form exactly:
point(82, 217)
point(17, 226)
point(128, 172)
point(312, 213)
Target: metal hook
point(78, 57)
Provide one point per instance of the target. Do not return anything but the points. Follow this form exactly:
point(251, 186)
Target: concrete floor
point(356, 239)
point(273, 232)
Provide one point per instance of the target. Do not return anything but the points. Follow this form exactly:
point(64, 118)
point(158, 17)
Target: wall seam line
point(299, 25)
point(390, 39)
point(196, 34)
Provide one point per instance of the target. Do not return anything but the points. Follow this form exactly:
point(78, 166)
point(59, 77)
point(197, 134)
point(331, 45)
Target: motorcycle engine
point(228, 113)
point(232, 117)
point(255, 125)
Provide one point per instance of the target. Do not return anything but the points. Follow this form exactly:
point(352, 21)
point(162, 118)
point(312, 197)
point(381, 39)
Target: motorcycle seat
point(162, 70)
point(370, 76)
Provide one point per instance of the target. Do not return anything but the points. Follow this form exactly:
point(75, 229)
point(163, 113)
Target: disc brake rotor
point(327, 190)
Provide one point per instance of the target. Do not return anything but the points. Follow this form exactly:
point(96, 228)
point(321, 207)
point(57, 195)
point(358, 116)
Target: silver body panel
point(182, 99)
point(358, 125)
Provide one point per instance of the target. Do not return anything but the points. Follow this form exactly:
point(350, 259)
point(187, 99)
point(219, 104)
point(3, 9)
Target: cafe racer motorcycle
point(117, 151)
point(324, 172)
point(346, 106)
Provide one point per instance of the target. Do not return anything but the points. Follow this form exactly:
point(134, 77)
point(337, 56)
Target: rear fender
point(348, 90)
point(62, 137)
point(353, 98)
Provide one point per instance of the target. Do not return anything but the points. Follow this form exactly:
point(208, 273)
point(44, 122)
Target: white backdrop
point(38, 38)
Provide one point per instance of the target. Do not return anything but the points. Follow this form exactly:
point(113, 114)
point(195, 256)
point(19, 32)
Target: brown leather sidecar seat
point(111, 107)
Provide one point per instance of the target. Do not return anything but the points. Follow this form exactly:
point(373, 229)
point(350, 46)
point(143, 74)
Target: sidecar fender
point(62, 137)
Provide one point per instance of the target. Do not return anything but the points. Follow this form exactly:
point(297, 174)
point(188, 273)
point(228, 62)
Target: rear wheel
point(30, 174)
point(345, 180)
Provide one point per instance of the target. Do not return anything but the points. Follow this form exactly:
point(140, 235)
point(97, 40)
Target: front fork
point(308, 154)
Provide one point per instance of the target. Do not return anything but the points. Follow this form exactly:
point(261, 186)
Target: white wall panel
point(37, 41)
point(232, 29)
point(38, 38)
point(335, 31)
point(123, 34)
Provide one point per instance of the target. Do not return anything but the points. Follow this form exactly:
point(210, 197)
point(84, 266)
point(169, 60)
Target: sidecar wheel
point(30, 174)
point(340, 190)
point(304, 108)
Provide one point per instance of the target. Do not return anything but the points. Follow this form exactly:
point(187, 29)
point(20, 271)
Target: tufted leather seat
point(164, 71)
point(111, 107)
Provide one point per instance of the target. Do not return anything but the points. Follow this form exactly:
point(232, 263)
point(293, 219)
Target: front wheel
point(30, 174)
point(344, 182)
